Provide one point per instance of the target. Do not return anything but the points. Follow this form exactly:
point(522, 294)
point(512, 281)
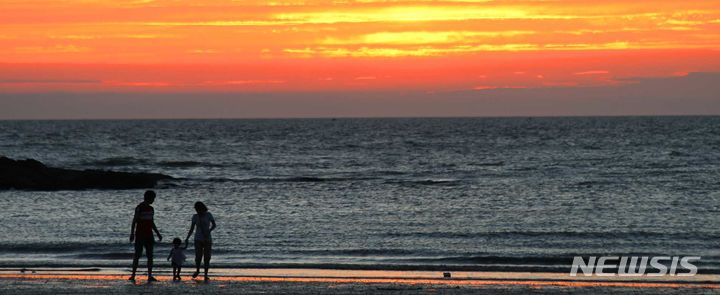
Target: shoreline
point(710, 269)
point(380, 276)
point(401, 281)
point(249, 281)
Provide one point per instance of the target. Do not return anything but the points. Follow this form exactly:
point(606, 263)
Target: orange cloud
point(244, 82)
point(596, 72)
point(219, 45)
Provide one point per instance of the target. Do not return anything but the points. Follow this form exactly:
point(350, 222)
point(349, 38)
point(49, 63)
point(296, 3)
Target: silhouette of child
point(177, 254)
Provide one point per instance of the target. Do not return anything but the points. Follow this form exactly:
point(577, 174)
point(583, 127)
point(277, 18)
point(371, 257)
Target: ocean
point(496, 194)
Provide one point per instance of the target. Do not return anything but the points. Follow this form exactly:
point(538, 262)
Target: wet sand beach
point(113, 281)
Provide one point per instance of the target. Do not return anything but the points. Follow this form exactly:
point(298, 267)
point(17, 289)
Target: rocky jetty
point(33, 175)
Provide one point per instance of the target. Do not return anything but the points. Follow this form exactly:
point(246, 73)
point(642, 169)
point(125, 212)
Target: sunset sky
point(213, 58)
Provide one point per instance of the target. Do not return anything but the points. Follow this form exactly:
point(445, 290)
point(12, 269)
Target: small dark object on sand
point(446, 275)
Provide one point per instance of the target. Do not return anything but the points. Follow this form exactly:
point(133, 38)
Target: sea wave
point(488, 164)
point(352, 252)
point(55, 247)
point(105, 256)
point(596, 183)
point(116, 161)
point(434, 182)
point(286, 179)
point(94, 254)
point(181, 164)
point(388, 180)
point(133, 161)
point(558, 234)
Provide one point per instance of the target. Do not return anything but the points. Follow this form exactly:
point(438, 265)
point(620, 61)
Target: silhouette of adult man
point(141, 232)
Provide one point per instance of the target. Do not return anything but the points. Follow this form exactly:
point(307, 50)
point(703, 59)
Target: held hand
point(132, 237)
point(159, 237)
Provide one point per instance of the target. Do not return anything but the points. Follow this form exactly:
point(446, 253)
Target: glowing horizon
point(147, 46)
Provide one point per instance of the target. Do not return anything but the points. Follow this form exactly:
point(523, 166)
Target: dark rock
point(33, 175)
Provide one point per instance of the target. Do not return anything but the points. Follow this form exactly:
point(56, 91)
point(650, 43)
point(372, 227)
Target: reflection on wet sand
point(401, 281)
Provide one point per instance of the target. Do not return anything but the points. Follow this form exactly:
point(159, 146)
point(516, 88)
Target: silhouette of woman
point(203, 224)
